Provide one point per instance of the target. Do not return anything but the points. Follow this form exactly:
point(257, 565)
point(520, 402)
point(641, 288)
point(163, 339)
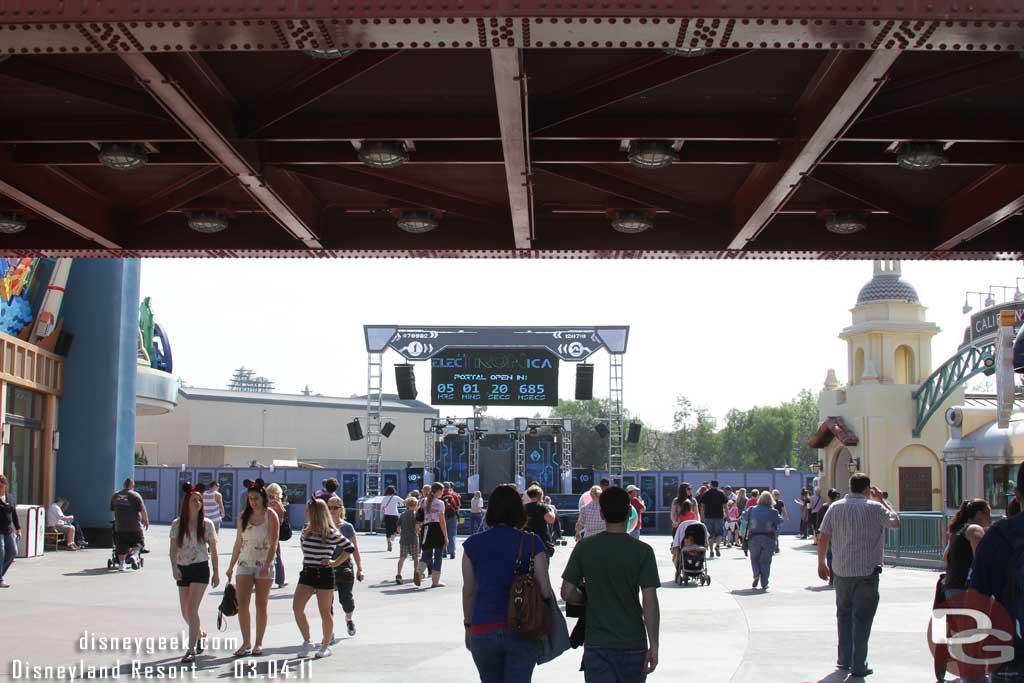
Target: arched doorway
point(841, 470)
point(858, 366)
point(906, 371)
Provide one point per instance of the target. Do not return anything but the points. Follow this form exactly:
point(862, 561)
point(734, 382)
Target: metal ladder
point(521, 460)
point(429, 453)
point(615, 426)
point(374, 392)
point(473, 445)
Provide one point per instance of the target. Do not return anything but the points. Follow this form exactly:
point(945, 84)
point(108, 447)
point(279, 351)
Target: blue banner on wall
point(542, 463)
point(451, 462)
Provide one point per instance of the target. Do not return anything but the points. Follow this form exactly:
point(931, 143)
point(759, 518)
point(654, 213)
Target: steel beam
point(184, 88)
point(636, 194)
point(875, 197)
point(660, 71)
point(321, 80)
point(23, 130)
point(843, 85)
point(50, 194)
point(509, 90)
point(404, 194)
point(952, 128)
point(189, 188)
point(988, 201)
point(962, 154)
point(46, 74)
point(80, 154)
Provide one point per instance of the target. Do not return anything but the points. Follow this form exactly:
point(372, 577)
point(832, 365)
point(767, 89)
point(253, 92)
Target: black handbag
point(285, 531)
point(228, 607)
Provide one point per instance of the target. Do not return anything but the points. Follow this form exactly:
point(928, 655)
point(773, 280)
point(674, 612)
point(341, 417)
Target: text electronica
point(486, 377)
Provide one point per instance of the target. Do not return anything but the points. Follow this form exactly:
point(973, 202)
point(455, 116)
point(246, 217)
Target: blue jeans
point(8, 551)
point(610, 665)
point(431, 559)
point(453, 529)
point(761, 549)
point(503, 657)
point(279, 568)
point(635, 533)
point(475, 522)
point(856, 602)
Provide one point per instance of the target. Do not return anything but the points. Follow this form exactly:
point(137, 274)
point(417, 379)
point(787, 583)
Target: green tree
point(804, 412)
point(695, 438)
point(140, 456)
point(588, 448)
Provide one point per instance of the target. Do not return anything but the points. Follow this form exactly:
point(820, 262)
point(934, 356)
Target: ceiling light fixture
point(332, 53)
point(208, 222)
point(845, 222)
point(920, 156)
point(12, 223)
point(688, 51)
point(651, 153)
point(632, 222)
point(417, 222)
point(383, 153)
point(123, 156)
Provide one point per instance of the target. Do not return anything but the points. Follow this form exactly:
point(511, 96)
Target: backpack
point(450, 510)
point(228, 606)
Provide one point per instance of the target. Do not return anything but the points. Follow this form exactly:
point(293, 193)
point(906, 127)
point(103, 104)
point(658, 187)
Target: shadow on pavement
point(746, 591)
point(402, 591)
point(819, 589)
point(96, 571)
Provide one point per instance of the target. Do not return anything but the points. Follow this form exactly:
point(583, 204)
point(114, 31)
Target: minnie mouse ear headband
point(187, 487)
point(253, 485)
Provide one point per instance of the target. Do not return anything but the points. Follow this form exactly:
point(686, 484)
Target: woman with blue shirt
point(488, 568)
point(763, 524)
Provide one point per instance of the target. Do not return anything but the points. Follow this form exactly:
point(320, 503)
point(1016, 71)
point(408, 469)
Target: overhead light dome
point(688, 51)
point(12, 223)
point(333, 53)
point(383, 153)
point(208, 222)
point(417, 222)
point(651, 153)
point(632, 222)
point(846, 222)
point(123, 157)
point(920, 156)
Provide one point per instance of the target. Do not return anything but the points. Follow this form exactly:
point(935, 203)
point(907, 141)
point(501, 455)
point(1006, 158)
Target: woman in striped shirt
point(319, 539)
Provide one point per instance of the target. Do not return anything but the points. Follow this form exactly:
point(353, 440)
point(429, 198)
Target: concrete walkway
point(724, 633)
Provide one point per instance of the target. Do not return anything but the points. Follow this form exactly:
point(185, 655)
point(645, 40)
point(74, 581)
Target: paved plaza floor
point(723, 633)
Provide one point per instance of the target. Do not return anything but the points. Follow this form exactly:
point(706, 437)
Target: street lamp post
point(263, 429)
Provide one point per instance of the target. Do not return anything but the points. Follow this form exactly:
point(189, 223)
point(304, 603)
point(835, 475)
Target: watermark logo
point(971, 635)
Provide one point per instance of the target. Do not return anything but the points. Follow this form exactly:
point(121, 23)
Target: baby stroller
point(690, 560)
point(133, 558)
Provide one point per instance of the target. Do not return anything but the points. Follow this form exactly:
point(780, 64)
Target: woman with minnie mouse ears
point(254, 551)
point(193, 545)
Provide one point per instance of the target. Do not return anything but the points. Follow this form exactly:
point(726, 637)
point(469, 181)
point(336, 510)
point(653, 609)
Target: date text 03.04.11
point(276, 669)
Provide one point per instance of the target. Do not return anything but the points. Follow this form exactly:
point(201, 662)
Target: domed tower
point(890, 341)
point(867, 425)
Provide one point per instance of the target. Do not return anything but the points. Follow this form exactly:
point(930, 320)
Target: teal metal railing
point(967, 363)
point(921, 535)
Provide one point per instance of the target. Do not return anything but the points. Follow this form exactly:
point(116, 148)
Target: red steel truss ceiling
point(517, 115)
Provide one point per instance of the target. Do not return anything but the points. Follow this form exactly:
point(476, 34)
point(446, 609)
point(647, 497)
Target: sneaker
point(189, 657)
point(305, 649)
point(398, 579)
point(122, 568)
point(324, 651)
point(862, 674)
point(351, 627)
point(4, 584)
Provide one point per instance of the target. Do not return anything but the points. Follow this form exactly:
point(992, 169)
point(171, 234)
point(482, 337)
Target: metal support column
point(473, 449)
point(615, 427)
point(374, 391)
point(521, 460)
point(429, 455)
point(567, 459)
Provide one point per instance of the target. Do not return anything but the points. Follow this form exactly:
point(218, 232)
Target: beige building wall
point(312, 429)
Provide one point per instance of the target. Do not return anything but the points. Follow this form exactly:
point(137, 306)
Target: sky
point(727, 334)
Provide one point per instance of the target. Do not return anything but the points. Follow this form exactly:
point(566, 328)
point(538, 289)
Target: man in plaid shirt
point(590, 522)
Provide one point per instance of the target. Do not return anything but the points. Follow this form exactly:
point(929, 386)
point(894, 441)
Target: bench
point(56, 536)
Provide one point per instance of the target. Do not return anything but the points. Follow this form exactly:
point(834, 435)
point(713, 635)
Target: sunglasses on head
point(333, 507)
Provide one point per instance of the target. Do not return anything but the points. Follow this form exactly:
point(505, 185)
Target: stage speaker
point(633, 436)
point(63, 345)
point(582, 479)
point(584, 382)
point(405, 378)
point(355, 430)
point(387, 429)
point(602, 430)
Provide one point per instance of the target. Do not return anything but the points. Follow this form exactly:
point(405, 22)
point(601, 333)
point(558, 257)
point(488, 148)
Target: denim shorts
point(611, 665)
point(715, 526)
point(255, 572)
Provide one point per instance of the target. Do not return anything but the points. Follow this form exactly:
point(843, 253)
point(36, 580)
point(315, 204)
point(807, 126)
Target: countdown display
point(494, 377)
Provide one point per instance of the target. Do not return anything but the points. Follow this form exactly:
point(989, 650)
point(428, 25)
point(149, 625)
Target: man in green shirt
point(621, 638)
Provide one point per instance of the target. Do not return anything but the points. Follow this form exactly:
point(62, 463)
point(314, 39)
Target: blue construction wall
point(96, 417)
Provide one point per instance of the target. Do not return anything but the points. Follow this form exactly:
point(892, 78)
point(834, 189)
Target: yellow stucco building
point(867, 425)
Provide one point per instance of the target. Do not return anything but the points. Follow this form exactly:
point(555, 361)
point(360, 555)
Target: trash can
point(33, 530)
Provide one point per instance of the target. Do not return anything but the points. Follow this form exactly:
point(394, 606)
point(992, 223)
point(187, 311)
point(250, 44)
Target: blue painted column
point(97, 413)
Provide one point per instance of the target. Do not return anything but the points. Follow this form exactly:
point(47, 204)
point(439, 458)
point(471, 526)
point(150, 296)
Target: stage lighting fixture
point(439, 429)
point(633, 436)
point(632, 222)
point(208, 222)
point(584, 382)
point(387, 428)
point(462, 430)
point(355, 430)
point(920, 156)
point(417, 222)
point(405, 379)
point(12, 223)
point(123, 157)
point(383, 153)
point(428, 425)
point(602, 430)
point(846, 222)
point(533, 431)
point(651, 154)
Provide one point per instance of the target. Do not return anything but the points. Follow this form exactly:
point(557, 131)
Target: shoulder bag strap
point(519, 555)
